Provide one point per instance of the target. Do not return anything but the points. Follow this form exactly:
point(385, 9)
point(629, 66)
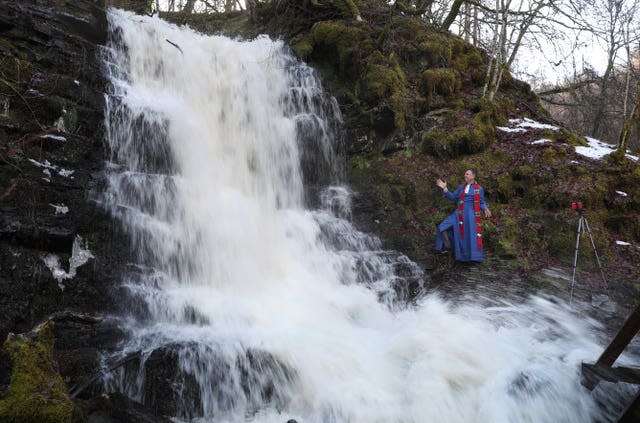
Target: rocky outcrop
point(51, 144)
point(61, 254)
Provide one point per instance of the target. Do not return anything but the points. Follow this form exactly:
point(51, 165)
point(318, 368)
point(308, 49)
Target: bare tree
point(627, 127)
point(511, 22)
point(452, 15)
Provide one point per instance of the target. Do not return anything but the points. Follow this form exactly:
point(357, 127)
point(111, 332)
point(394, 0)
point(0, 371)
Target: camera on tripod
point(583, 227)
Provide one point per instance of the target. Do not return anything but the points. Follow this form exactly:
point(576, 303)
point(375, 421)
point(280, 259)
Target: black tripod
point(582, 226)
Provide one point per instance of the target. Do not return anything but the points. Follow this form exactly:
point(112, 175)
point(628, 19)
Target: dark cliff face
point(52, 155)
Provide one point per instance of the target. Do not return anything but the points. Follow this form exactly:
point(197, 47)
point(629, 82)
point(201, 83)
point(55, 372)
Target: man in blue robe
point(461, 231)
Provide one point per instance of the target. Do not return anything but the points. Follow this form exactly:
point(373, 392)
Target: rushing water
point(225, 170)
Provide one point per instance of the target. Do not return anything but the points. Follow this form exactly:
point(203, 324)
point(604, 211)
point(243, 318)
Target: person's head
point(470, 176)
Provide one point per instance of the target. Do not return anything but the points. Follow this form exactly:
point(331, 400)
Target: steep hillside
point(412, 104)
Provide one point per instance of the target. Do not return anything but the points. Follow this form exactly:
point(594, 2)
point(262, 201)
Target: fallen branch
point(175, 45)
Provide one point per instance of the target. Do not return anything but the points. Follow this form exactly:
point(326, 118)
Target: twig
point(175, 45)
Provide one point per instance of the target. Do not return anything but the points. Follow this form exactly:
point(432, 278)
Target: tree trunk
point(466, 32)
point(627, 128)
point(524, 27)
point(188, 6)
point(492, 58)
point(453, 13)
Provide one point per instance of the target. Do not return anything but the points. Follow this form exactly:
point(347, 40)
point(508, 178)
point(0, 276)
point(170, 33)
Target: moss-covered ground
point(36, 392)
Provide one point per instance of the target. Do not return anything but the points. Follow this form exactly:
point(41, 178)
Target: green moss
point(549, 134)
point(346, 39)
point(348, 7)
point(442, 144)
point(360, 163)
point(442, 81)
point(580, 170)
point(460, 139)
point(504, 187)
point(507, 239)
point(500, 157)
point(384, 79)
point(571, 138)
point(303, 47)
point(484, 123)
point(36, 392)
point(549, 155)
point(470, 59)
point(70, 118)
point(522, 172)
point(436, 49)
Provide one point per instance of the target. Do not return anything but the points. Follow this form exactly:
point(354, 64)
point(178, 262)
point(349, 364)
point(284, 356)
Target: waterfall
point(252, 289)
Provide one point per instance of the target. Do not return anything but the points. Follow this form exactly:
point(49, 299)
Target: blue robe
point(465, 247)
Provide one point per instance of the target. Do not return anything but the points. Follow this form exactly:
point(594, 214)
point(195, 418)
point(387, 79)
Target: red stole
point(476, 209)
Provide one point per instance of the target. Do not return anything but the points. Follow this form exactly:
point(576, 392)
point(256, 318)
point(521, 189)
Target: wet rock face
point(174, 391)
point(52, 156)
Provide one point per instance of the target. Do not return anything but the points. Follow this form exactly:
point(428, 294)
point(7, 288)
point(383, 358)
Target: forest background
point(581, 57)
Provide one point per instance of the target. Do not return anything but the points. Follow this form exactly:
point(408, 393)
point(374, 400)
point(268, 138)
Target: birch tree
point(512, 22)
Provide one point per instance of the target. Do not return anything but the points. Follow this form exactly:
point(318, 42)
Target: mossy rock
point(457, 140)
point(384, 79)
point(442, 144)
point(521, 89)
point(571, 138)
point(442, 81)
point(436, 49)
point(303, 47)
point(349, 41)
point(36, 392)
point(349, 8)
point(409, 28)
point(471, 63)
point(440, 49)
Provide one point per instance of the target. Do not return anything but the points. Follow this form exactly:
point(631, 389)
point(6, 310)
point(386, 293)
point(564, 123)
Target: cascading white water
point(275, 311)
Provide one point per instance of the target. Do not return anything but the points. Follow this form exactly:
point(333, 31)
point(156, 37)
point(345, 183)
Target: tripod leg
point(593, 244)
point(575, 257)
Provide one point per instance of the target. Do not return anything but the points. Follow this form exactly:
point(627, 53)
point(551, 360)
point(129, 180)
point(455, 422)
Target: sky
point(554, 63)
point(558, 46)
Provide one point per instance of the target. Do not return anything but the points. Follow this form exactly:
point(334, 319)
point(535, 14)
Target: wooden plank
point(622, 339)
point(632, 413)
point(596, 372)
point(591, 375)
